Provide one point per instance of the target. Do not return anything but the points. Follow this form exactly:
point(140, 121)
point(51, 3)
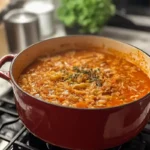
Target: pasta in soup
point(85, 79)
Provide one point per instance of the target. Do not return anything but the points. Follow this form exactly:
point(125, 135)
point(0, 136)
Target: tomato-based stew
point(85, 79)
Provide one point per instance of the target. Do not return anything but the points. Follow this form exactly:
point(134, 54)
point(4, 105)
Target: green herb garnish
point(84, 75)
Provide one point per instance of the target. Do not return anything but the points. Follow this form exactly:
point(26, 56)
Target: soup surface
point(85, 79)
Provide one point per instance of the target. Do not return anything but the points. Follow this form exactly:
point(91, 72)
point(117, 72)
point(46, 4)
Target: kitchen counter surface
point(3, 41)
point(136, 38)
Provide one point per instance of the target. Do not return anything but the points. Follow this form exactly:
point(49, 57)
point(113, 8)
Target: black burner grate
point(21, 139)
point(7, 106)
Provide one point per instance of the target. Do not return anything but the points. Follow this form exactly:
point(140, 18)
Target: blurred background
point(25, 22)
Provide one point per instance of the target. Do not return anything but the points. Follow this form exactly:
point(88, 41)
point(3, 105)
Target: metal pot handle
point(5, 74)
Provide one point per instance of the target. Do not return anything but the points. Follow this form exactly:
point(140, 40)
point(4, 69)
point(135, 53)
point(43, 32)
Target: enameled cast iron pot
point(72, 127)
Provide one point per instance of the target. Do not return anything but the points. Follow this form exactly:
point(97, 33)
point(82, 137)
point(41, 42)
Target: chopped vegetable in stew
point(85, 79)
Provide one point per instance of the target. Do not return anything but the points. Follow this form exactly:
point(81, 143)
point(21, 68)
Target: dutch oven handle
point(5, 74)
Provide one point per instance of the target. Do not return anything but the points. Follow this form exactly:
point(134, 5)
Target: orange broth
point(85, 79)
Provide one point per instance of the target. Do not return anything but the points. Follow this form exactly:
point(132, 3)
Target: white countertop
point(139, 39)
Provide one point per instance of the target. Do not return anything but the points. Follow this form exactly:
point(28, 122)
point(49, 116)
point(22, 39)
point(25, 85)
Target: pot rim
point(57, 105)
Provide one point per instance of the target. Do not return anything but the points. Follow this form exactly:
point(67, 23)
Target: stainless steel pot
point(45, 13)
point(22, 29)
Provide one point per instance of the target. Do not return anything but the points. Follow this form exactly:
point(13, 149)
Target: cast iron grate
point(24, 140)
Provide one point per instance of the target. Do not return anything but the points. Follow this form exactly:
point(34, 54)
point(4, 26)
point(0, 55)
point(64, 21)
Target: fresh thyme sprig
point(89, 75)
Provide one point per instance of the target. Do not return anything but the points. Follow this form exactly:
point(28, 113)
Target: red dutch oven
point(76, 128)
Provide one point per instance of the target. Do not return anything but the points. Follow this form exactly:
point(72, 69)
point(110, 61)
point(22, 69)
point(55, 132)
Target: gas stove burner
point(52, 147)
point(147, 128)
point(138, 143)
point(37, 143)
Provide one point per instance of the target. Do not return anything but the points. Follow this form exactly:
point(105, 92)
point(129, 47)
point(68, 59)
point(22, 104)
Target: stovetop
point(15, 136)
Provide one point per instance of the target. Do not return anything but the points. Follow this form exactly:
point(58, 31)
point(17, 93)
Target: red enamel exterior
point(82, 129)
point(86, 129)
